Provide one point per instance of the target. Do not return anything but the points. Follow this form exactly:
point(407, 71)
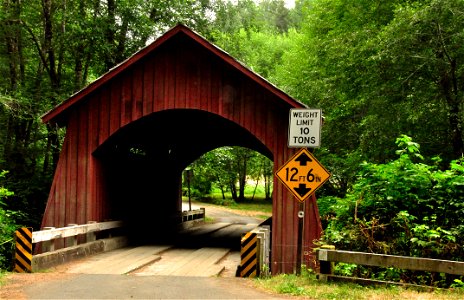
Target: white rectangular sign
point(304, 129)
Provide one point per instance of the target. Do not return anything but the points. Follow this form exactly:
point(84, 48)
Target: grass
point(257, 205)
point(3, 275)
point(258, 208)
point(307, 286)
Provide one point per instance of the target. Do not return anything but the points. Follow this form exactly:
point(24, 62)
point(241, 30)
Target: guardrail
point(25, 261)
point(190, 215)
point(327, 258)
point(188, 218)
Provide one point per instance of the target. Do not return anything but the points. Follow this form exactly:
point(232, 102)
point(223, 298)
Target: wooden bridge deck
point(155, 260)
point(120, 261)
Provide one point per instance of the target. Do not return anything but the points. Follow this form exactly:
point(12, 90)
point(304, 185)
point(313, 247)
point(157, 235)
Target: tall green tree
point(50, 49)
point(379, 69)
point(421, 68)
point(328, 66)
point(256, 33)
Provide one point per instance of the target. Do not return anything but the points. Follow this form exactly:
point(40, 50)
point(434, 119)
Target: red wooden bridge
point(132, 132)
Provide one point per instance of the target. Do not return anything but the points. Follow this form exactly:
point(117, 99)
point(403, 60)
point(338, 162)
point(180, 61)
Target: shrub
point(403, 207)
point(8, 227)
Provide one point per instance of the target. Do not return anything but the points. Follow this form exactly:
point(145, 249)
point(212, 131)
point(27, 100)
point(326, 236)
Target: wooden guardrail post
point(72, 240)
point(326, 267)
point(203, 213)
point(91, 236)
point(49, 245)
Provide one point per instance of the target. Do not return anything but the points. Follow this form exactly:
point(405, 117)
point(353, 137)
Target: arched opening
point(228, 176)
point(143, 163)
point(228, 216)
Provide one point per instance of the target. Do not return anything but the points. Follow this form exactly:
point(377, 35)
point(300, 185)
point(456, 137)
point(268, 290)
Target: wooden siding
point(179, 73)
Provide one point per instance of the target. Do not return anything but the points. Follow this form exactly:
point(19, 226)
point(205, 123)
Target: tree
point(8, 225)
point(327, 66)
point(378, 69)
point(229, 169)
point(421, 62)
point(51, 49)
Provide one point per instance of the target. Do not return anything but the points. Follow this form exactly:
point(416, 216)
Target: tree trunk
point(449, 88)
point(221, 187)
point(110, 33)
point(267, 187)
point(52, 151)
point(233, 190)
point(13, 41)
point(48, 44)
point(254, 190)
point(242, 178)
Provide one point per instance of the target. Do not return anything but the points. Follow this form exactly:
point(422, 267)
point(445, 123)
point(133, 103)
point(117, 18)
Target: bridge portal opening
point(143, 164)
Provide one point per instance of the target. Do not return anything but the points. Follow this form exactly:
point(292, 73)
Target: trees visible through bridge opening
point(231, 174)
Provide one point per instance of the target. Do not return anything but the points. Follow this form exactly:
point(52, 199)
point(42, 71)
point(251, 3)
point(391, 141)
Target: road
point(200, 263)
point(88, 286)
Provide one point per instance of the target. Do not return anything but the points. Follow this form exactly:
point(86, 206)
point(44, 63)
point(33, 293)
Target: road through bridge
point(199, 263)
point(205, 250)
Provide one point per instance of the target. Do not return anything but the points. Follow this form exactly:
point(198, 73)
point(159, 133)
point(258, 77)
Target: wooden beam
point(401, 262)
point(55, 233)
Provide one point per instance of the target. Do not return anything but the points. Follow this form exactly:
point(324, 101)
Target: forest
point(388, 76)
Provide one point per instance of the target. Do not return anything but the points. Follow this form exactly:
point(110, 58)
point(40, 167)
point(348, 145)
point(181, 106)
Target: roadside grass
point(254, 203)
point(3, 277)
point(260, 209)
point(209, 219)
point(307, 286)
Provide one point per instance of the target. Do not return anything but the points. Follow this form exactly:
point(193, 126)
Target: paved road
point(85, 286)
point(152, 282)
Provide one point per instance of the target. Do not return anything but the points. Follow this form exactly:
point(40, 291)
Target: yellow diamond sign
point(303, 174)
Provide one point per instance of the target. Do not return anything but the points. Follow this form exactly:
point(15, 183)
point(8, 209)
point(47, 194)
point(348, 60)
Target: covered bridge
point(132, 132)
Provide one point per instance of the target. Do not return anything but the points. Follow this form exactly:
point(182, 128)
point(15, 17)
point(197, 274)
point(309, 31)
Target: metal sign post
point(188, 175)
point(300, 238)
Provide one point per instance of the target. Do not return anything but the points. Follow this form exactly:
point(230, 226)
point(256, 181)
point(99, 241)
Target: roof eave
point(57, 114)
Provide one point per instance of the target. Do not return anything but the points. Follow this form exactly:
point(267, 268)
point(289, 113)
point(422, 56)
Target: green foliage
point(257, 34)
point(378, 69)
point(8, 226)
point(49, 51)
point(229, 169)
point(401, 207)
point(261, 51)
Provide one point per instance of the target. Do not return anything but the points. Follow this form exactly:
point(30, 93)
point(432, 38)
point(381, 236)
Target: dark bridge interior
point(143, 164)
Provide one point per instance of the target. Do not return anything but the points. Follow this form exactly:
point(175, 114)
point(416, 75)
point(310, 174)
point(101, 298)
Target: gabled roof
point(57, 112)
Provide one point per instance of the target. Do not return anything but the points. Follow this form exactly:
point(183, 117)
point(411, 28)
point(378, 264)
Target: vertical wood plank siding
point(178, 74)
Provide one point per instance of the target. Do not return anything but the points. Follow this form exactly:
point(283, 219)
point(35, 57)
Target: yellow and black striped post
point(249, 255)
point(23, 255)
